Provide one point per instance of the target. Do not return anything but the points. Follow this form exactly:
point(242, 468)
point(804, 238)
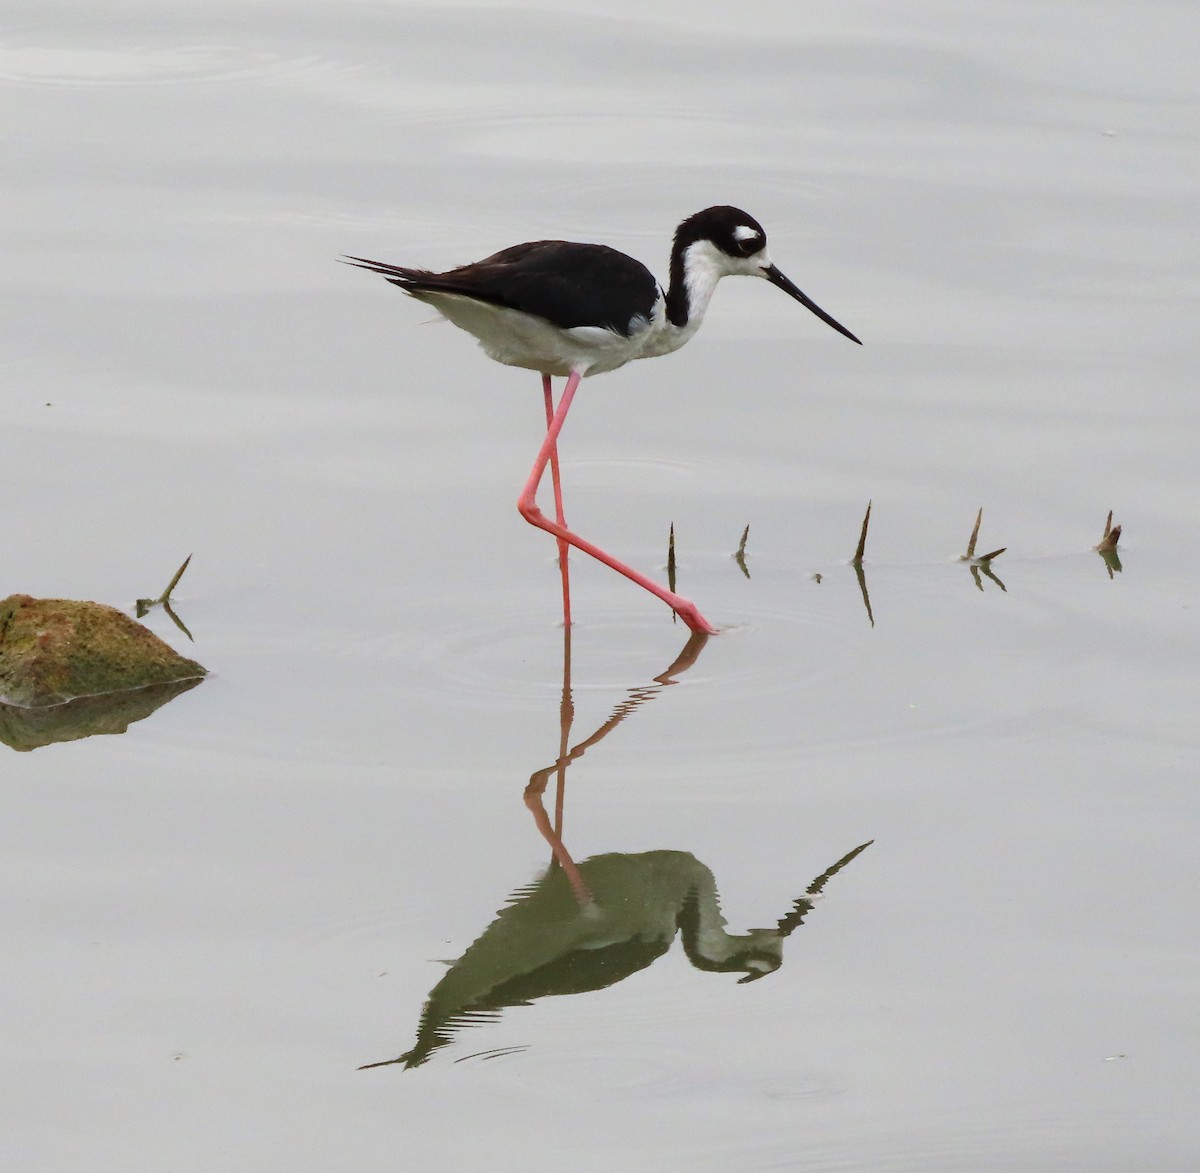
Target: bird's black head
point(723, 242)
point(734, 232)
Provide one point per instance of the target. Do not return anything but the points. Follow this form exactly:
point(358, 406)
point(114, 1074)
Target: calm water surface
point(213, 920)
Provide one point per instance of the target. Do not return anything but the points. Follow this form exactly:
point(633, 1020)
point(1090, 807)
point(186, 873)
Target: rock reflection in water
point(25, 729)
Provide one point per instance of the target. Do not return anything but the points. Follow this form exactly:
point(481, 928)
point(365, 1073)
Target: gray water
point(213, 920)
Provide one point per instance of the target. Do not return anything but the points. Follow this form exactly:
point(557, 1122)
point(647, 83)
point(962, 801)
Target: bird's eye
point(748, 244)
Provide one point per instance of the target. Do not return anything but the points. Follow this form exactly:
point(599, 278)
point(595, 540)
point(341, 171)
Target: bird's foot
point(690, 614)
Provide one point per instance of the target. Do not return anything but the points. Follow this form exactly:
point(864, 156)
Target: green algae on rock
point(55, 650)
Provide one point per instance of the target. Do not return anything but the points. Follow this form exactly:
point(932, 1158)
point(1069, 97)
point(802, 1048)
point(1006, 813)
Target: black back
point(567, 284)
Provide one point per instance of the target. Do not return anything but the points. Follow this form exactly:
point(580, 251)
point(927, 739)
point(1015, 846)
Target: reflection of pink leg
point(535, 791)
point(527, 504)
point(559, 516)
point(566, 718)
point(533, 800)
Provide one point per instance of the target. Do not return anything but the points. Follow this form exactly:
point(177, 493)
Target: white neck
point(694, 276)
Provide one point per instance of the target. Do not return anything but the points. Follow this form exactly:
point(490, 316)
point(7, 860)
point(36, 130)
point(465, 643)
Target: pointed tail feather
point(397, 274)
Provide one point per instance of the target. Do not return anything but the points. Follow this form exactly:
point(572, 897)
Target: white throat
point(703, 266)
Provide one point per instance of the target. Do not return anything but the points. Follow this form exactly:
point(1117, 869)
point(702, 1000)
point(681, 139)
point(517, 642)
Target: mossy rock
point(55, 650)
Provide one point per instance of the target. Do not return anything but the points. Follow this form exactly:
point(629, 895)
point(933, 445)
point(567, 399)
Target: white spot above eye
point(745, 232)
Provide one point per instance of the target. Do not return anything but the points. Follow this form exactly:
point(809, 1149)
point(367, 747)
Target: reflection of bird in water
point(546, 941)
point(576, 310)
point(584, 926)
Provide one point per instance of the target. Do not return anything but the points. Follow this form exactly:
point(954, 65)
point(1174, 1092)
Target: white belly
point(522, 340)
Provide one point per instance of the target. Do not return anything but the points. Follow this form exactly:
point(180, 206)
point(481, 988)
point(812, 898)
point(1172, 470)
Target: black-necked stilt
point(573, 310)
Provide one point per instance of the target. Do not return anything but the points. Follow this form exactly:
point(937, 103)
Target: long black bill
point(775, 277)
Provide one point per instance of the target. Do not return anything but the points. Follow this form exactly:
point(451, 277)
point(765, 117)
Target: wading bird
point(575, 310)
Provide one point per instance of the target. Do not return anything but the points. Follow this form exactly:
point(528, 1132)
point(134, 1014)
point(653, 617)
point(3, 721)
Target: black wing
point(566, 284)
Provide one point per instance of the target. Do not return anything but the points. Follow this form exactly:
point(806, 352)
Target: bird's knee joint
point(529, 511)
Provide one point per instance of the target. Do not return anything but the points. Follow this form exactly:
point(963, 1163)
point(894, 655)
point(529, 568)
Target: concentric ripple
point(515, 660)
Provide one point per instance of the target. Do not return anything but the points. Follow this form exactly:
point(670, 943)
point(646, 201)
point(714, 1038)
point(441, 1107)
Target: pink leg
point(559, 516)
point(527, 504)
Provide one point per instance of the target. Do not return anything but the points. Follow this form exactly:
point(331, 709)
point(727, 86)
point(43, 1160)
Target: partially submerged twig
point(857, 563)
point(970, 556)
point(740, 556)
point(144, 605)
point(1107, 547)
point(1112, 535)
point(862, 538)
point(981, 564)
